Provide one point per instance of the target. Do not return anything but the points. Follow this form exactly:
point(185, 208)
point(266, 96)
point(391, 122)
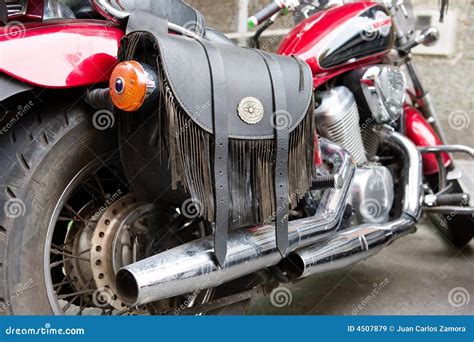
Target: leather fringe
point(251, 166)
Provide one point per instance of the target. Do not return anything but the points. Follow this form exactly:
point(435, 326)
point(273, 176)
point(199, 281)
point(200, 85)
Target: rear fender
point(9, 86)
point(61, 53)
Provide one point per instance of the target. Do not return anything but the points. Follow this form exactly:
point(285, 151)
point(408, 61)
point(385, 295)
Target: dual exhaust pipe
point(359, 243)
point(314, 244)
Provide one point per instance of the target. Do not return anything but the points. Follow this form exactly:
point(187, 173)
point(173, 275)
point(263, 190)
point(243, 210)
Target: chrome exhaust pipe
point(346, 248)
point(183, 269)
point(363, 241)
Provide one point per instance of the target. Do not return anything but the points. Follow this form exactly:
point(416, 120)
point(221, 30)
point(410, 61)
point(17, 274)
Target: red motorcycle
point(152, 166)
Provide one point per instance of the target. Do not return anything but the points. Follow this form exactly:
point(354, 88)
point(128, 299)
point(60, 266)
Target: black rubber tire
point(39, 156)
point(457, 229)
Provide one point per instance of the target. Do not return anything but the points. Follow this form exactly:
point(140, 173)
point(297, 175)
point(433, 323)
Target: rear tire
point(40, 155)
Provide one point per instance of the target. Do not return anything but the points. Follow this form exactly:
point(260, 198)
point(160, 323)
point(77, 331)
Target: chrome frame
point(448, 148)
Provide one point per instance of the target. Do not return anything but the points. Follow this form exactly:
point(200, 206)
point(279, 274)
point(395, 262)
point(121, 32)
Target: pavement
point(420, 274)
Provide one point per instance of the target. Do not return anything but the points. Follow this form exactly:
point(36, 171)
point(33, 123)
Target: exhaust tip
point(293, 265)
point(127, 286)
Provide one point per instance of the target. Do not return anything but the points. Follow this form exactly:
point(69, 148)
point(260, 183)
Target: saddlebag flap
point(184, 64)
point(237, 123)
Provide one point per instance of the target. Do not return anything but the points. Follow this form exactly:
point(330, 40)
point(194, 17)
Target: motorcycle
point(152, 166)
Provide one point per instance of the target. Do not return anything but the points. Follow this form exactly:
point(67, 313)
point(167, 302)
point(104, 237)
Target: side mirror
point(428, 37)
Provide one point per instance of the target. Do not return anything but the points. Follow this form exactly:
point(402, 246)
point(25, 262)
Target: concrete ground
point(420, 274)
point(414, 276)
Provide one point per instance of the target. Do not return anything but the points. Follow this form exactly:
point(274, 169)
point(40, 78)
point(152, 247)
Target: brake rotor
point(114, 245)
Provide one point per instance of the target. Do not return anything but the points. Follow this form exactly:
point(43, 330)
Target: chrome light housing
point(384, 88)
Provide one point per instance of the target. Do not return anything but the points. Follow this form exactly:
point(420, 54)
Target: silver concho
point(250, 110)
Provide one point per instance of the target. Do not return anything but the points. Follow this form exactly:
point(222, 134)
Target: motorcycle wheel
point(42, 153)
point(47, 157)
point(457, 229)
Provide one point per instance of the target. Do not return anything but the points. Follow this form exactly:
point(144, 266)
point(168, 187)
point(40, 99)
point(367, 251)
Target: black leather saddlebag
point(237, 125)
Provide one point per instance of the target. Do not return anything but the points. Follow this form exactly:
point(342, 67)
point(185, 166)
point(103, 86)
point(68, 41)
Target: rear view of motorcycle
point(150, 165)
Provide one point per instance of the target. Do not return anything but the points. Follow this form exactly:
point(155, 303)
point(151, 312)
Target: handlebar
point(265, 13)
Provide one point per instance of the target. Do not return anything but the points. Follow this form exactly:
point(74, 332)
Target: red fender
point(422, 134)
point(59, 53)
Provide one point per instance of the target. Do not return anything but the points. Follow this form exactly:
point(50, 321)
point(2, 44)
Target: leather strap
point(221, 150)
point(281, 120)
point(300, 67)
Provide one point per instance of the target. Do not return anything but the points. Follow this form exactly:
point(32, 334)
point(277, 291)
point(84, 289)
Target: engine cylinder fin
point(337, 118)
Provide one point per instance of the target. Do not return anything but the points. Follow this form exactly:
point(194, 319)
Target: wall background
point(449, 79)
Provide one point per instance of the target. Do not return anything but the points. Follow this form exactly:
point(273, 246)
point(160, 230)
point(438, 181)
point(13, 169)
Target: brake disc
point(114, 245)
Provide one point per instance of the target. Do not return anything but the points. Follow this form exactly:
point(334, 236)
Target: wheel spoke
point(69, 303)
point(71, 256)
point(81, 306)
point(77, 293)
point(96, 178)
point(60, 248)
point(67, 219)
point(57, 263)
point(58, 286)
point(92, 190)
point(70, 209)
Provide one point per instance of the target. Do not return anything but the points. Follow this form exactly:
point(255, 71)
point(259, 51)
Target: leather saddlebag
point(237, 124)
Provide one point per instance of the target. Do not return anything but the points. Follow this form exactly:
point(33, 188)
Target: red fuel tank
point(337, 39)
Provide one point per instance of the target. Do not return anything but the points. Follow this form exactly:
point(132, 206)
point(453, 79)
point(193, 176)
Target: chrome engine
point(380, 95)
point(384, 89)
point(371, 194)
point(337, 118)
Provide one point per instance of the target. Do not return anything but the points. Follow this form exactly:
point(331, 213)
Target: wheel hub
point(112, 244)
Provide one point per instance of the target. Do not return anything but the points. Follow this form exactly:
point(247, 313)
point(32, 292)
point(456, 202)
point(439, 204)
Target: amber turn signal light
point(131, 84)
